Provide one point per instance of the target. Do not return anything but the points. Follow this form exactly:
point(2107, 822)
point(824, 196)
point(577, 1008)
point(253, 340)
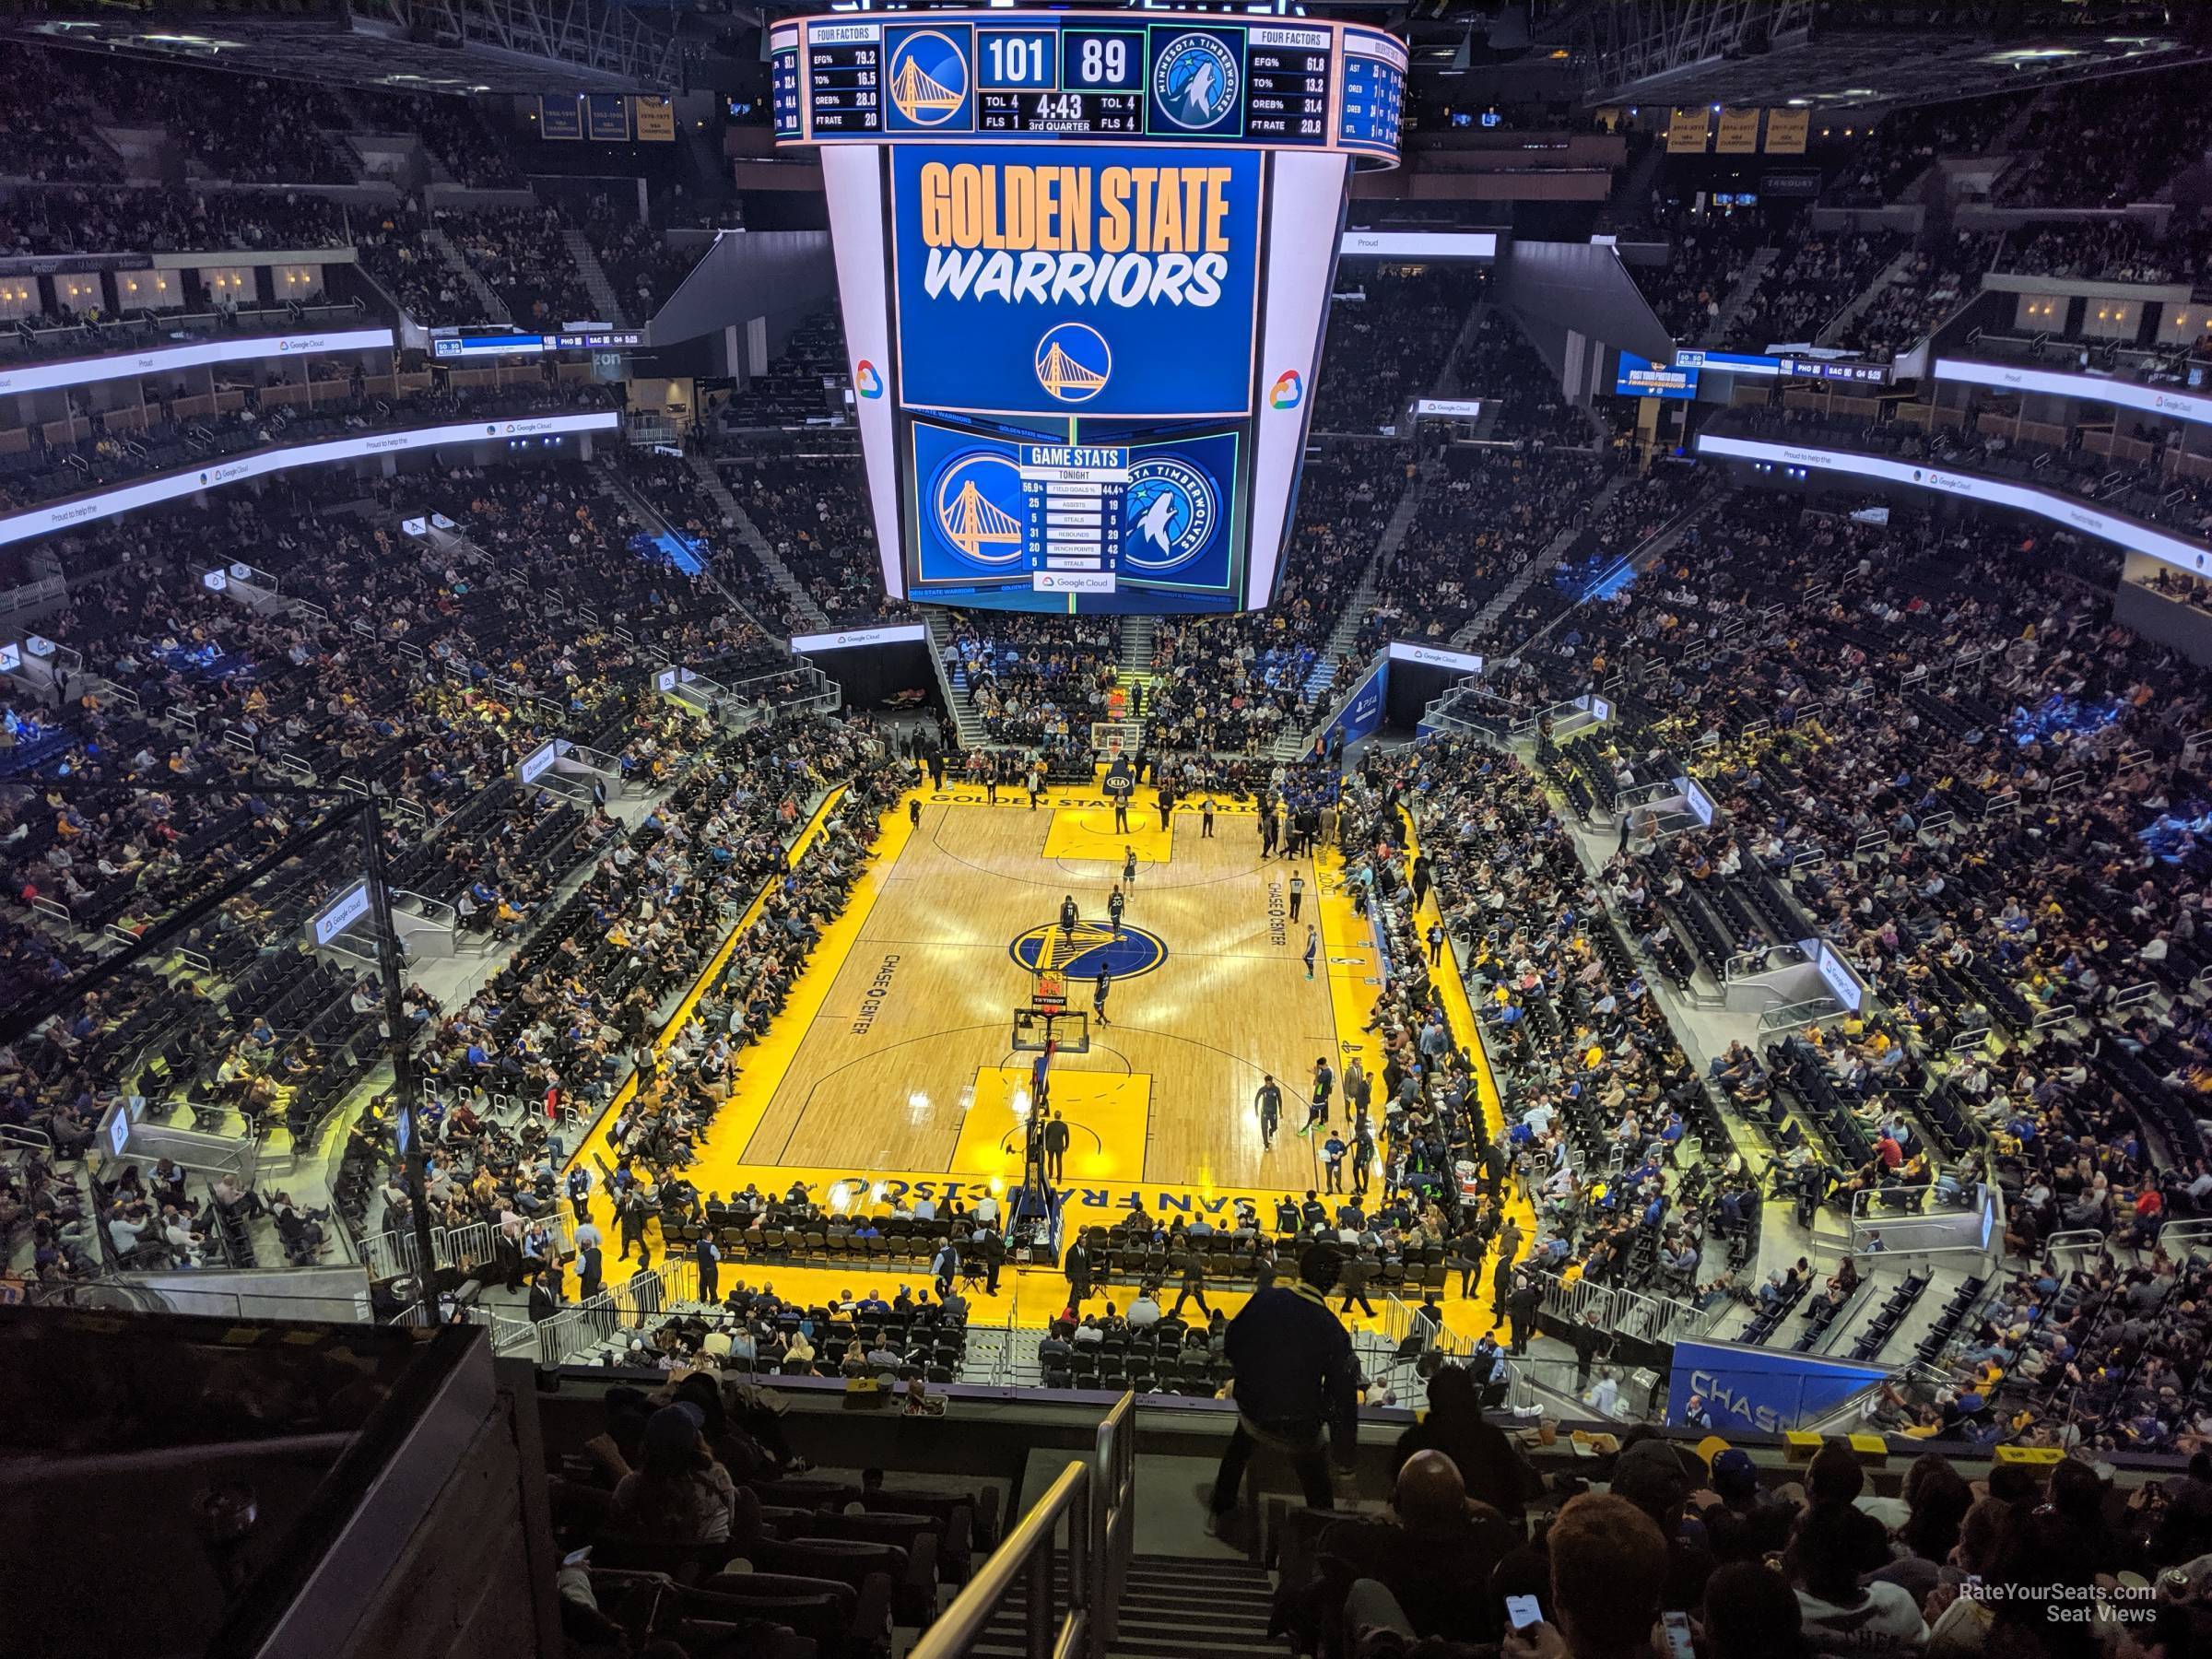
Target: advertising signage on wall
point(2060, 510)
point(171, 486)
point(85, 371)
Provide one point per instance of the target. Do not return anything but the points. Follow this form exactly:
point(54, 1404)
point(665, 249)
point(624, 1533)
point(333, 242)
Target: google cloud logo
point(867, 380)
point(1288, 392)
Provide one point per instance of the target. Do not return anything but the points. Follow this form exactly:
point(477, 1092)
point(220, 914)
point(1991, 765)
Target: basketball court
point(897, 1068)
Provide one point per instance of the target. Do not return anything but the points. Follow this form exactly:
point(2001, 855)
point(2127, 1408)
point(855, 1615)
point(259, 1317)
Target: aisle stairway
point(495, 309)
point(1746, 285)
point(755, 542)
point(1173, 1607)
point(1138, 637)
point(1541, 566)
point(1838, 325)
point(595, 282)
point(952, 680)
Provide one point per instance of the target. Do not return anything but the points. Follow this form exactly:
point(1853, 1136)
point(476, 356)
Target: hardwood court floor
point(890, 1069)
point(906, 1063)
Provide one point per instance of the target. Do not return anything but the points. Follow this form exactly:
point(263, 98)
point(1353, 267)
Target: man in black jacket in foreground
point(1297, 1387)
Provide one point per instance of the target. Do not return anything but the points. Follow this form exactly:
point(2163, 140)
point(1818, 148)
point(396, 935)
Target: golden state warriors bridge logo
point(979, 507)
point(1073, 363)
point(1092, 945)
point(929, 78)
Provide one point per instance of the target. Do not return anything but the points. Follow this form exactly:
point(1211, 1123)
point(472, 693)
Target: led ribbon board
point(1085, 262)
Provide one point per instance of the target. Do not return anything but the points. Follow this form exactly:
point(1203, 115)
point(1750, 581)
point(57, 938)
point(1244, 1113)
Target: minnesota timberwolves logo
point(1091, 946)
point(979, 507)
point(1195, 81)
point(929, 78)
point(1170, 509)
point(1073, 362)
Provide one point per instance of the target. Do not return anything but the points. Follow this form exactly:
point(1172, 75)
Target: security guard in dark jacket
point(1298, 1385)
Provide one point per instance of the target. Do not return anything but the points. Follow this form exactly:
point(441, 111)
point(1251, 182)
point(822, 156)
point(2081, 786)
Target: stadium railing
point(1095, 1500)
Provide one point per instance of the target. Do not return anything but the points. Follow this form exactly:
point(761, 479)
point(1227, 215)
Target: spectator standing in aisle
point(1077, 1265)
point(1298, 1387)
point(707, 1256)
point(1351, 1278)
point(1194, 1282)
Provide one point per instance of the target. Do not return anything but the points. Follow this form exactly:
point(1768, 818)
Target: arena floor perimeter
point(893, 1070)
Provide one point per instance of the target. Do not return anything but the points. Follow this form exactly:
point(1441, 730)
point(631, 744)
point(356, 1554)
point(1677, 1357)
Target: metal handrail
point(1026, 1557)
point(1114, 1519)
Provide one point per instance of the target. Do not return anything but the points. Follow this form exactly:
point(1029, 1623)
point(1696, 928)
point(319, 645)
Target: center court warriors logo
point(1195, 81)
point(1170, 509)
point(1089, 948)
point(979, 506)
point(1073, 362)
point(929, 78)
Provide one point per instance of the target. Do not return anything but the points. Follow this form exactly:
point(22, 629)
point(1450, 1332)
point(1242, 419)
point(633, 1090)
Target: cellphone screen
point(577, 1557)
point(1678, 1644)
point(1522, 1611)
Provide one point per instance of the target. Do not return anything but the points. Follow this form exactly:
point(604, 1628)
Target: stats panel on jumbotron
point(1085, 260)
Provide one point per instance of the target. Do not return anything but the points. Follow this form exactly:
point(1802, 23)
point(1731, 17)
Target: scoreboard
point(1085, 260)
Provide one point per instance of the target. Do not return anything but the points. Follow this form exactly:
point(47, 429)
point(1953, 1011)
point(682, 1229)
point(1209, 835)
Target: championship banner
point(606, 116)
point(1787, 131)
point(1738, 132)
point(1686, 130)
point(561, 118)
point(655, 119)
point(1085, 262)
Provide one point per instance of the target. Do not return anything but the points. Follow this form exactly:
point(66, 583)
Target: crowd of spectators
point(1908, 142)
point(244, 129)
point(1816, 274)
point(1933, 286)
point(1038, 682)
point(1699, 1545)
point(1707, 253)
point(1958, 930)
point(1481, 521)
point(453, 681)
point(452, 130)
point(641, 264)
point(2110, 250)
point(812, 509)
point(50, 137)
point(1237, 682)
point(1392, 345)
point(1523, 398)
point(74, 219)
point(2108, 142)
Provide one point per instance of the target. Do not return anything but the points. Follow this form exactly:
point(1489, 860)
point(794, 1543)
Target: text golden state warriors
point(1058, 235)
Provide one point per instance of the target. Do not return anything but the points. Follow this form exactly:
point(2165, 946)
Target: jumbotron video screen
point(1085, 262)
